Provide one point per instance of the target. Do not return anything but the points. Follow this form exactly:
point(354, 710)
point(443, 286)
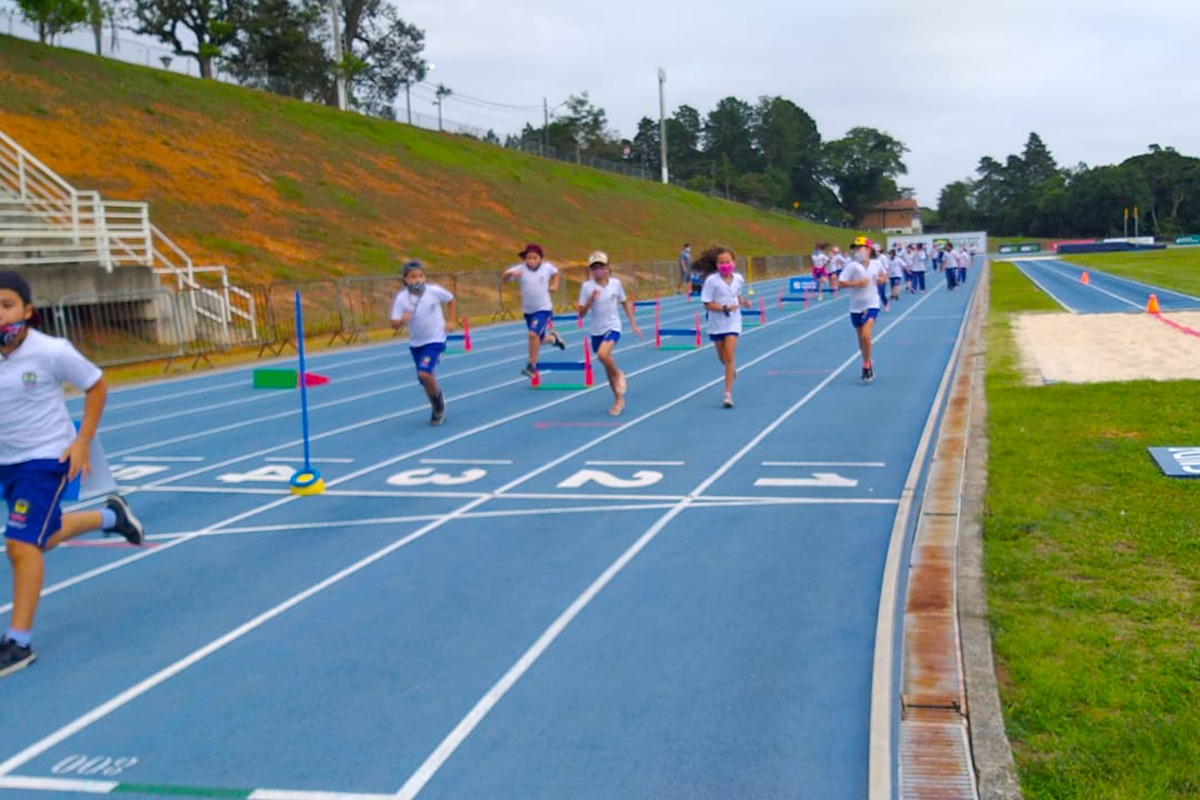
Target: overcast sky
point(954, 80)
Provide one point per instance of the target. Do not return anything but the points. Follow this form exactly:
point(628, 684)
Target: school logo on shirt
point(21, 507)
point(29, 378)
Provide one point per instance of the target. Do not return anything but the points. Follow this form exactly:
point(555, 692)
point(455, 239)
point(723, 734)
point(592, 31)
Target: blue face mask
point(10, 332)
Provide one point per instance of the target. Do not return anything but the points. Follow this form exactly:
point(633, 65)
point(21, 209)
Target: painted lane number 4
point(93, 765)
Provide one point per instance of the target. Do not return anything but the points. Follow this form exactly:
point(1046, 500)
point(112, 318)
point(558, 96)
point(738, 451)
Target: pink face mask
point(725, 269)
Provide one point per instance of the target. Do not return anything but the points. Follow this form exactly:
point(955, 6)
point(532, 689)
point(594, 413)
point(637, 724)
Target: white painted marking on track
point(634, 463)
point(819, 480)
point(162, 458)
point(639, 479)
point(127, 696)
point(300, 460)
point(485, 704)
point(824, 464)
point(480, 461)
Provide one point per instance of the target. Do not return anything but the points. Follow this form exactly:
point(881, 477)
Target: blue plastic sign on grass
point(1177, 462)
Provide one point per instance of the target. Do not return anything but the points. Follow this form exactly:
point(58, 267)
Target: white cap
point(598, 257)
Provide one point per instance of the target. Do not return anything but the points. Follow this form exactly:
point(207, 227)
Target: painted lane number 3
point(425, 476)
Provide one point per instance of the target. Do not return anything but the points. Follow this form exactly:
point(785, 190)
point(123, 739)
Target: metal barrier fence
point(115, 328)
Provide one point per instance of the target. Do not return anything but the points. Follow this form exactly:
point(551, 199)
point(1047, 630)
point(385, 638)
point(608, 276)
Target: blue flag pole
point(306, 480)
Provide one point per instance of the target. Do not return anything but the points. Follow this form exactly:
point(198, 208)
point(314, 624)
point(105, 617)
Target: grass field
point(1176, 267)
point(1093, 569)
point(279, 189)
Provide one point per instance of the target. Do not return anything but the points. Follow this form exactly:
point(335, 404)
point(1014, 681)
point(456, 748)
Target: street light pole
point(662, 124)
point(338, 57)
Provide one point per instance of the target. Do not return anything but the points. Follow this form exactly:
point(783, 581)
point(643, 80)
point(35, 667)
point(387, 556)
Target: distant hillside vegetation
point(276, 188)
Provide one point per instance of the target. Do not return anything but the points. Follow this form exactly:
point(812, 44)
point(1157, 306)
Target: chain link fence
point(174, 327)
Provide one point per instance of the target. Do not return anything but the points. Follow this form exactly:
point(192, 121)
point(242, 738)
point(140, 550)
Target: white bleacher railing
point(44, 221)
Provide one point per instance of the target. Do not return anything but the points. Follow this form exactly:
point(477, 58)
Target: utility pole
point(338, 55)
point(662, 124)
point(441, 92)
point(545, 124)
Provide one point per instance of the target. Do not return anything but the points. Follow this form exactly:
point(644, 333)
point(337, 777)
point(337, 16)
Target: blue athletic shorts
point(428, 356)
point(893, 281)
point(608, 336)
point(33, 491)
point(538, 321)
point(859, 318)
point(716, 337)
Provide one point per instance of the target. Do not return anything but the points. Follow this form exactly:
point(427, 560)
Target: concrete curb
point(991, 752)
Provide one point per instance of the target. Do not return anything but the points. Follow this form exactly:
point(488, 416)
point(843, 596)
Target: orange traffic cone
point(1152, 306)
point(1084, 279)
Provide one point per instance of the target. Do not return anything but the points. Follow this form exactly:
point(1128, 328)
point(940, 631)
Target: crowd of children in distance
point(42, 450)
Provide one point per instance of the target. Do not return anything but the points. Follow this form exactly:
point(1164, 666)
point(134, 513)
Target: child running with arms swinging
point(40, 453)
point(723, 299)
point(603, 296)
point(419, 306)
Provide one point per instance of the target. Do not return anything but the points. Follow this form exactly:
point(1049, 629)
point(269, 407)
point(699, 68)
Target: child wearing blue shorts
point(723, 299)
point(538, 279)
point(40, 453)
point(602, 296)
point(419, 306)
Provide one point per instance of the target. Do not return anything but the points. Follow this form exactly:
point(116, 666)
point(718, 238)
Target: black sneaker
point(14, 657)
point(127, 524)
point(439, 410)
point(529, 371)
point(868, 374)
point(557, 340)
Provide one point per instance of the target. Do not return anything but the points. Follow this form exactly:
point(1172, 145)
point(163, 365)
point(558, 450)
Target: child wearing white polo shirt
point(722, 297)
point(40, 453)
point(419, 306)
point(602, 296)
point(538, 279)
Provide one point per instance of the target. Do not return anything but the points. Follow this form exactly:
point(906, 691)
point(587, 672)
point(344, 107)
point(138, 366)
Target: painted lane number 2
point(93, 765)
point(639, 479)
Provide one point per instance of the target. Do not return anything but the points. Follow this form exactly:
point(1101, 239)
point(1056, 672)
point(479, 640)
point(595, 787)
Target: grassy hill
point(278, 189)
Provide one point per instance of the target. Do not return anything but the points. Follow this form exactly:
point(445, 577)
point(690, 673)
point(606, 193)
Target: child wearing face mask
point(723, 299)
point(864, 277)
point(419, 306)
point(40, 453)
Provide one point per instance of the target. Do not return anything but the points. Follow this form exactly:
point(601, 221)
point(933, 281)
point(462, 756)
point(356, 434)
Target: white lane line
point(300, 460)
point(1020, 267)
point(824, 464)
point(633, 463)
point(480, 461)
point(104, 709)
point(1067, 271)
point(1148, 287)
point(165, 459)
point(121, 563)
point(446, 748)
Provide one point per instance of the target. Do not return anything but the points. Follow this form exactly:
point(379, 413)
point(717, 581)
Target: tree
point(728, 135)
point(53, 17)
point(279, 49)
point(1173, 180)
point(383, 54)
point(955, 211)
point(862, 168)
point(685, 130)
point(789, 142)
point(214, 24)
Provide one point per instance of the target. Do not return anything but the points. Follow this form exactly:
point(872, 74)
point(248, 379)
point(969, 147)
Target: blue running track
point(535, 600)
point(1103, 294)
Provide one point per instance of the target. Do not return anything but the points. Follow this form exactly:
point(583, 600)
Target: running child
point(419, 306)
point(538, 279)
point(820, 262)
point(40, 453)
point(837, 262)
point(863, 278)
point(603, 296)
point(722, 297)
